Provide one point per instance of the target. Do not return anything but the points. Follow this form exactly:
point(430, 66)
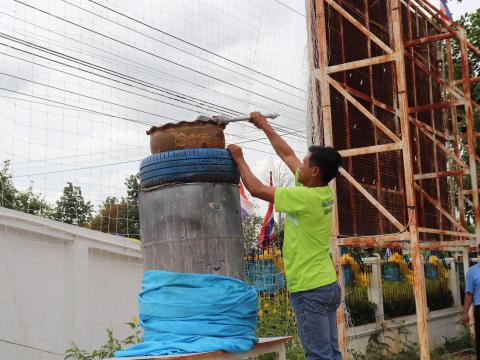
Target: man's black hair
point(327, 159)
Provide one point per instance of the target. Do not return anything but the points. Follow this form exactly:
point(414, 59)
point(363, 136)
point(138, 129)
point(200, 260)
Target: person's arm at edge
point(252, 183)
point(280, 146)
point(466, 307)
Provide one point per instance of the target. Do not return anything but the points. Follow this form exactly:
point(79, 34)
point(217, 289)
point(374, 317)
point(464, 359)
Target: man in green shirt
point(311, 277)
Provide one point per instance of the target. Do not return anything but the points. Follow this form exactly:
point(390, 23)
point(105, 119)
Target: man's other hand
point(258, 120)
point(236, 151)
point(466, 319)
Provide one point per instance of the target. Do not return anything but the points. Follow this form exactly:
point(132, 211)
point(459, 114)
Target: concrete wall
point(61, 284)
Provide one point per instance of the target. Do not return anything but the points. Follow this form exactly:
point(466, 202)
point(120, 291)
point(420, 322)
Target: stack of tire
point(188, 165)
point(189, 207)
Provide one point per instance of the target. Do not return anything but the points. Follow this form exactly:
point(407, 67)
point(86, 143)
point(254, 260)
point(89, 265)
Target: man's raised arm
point(282, 149)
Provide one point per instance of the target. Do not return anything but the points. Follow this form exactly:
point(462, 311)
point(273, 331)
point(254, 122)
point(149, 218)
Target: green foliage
point(8, 192)
point(439, 295)
point(379, 349)
point(72, 208)
point(362, 311)
point(398, 298)
point(120, 217)
point(108, 349)
point(471, 24)
point(26, 201)
point(463, 341)
point(277, 319)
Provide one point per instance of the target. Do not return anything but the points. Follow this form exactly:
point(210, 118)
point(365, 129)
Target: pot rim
point(185, 122)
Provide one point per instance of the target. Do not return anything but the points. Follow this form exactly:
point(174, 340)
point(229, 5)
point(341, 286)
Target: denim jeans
point(315, 311)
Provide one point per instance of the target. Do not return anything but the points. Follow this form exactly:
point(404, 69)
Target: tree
point(281, 174)
point(131, 215)
point(251, 229)
point(120, 217)
point(31, 203)
point(72, 208)
point(26, 201)
point(471, 24)
point(8, 192)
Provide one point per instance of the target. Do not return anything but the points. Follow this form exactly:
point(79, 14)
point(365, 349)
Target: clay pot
point(186, 135)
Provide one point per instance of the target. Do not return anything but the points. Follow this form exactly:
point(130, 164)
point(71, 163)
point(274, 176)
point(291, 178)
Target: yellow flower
point(266, 306)
point(395, 258)
point(347, 260)
point(135, 320)
point(260, 313)
point(433, 260)
point(289, 313)
point(274, 311)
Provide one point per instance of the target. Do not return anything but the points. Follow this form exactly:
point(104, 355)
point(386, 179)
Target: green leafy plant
point(362, 311)
point(108, 349)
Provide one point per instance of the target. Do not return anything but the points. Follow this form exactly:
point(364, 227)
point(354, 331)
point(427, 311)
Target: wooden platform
point(264, 346)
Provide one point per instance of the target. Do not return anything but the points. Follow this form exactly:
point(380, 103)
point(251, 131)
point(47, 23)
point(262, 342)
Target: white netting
point(80, 82)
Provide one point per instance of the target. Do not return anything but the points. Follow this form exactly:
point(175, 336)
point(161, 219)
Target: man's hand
point(466, 319)
point(236, 151)
point(258, 120)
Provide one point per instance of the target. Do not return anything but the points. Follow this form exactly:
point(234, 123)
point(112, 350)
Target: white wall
point(61, 284)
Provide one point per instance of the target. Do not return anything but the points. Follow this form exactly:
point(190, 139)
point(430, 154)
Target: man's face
point(307, 172)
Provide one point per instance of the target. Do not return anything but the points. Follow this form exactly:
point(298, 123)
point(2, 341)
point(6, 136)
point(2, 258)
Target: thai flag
point(445, 10)
point(267, 232)
point(245, 205)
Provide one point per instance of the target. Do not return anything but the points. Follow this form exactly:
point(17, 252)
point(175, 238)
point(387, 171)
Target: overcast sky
point(80, 83)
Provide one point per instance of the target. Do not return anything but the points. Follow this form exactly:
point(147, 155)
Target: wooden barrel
point(192, 228)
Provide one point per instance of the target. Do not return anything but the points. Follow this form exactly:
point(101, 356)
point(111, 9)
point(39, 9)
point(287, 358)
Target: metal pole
point(418, 279)
point(328, 140)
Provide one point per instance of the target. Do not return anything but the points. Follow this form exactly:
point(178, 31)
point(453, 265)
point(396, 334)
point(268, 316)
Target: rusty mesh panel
point(382, 174)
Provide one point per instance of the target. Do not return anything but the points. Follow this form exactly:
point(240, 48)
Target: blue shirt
point(472, 285)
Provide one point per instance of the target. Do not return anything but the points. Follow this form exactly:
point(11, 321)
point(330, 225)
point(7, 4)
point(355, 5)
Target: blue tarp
point(192, 313)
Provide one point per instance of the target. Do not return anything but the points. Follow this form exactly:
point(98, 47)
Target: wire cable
point(194, 45)
point(158, 56)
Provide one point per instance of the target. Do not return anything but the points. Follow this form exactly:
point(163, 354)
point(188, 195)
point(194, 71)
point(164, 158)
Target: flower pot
point(186, 135)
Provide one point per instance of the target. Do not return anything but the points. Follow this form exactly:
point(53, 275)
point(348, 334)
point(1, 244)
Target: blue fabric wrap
point(193, 313)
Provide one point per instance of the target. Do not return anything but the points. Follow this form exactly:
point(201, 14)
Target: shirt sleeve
point(469, 283)
point(291, 200)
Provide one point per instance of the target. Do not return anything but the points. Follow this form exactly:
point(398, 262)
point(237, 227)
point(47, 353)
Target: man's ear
point(315, 171)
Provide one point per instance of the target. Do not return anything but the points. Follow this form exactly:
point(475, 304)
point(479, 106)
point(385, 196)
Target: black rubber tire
point(188, 165)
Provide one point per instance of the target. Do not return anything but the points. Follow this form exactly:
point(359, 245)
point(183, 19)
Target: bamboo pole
point(328, 138)
point(418, 279)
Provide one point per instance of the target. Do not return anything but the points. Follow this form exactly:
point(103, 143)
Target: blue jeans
point(315, 311)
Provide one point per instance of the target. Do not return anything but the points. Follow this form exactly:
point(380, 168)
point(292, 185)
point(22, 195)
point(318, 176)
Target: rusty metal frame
point(447, 142)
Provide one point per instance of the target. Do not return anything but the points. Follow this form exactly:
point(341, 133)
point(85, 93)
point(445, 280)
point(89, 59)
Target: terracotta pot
point(186, 135)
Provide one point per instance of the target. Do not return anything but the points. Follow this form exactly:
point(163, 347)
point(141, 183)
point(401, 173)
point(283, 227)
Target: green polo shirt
point(306, 245)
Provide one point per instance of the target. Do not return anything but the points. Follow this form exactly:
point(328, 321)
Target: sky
point(82, 80)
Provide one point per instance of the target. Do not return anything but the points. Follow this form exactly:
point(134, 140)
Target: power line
point(184, 51)
point(194, 45)
point(99, 68)
point(142, 66)
point(87, 96)
point(111, 86)
point(102, 165)
point(78, 107)
point(31, 347)
point(290, 8)
point(110, 115)
point(158, 56)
